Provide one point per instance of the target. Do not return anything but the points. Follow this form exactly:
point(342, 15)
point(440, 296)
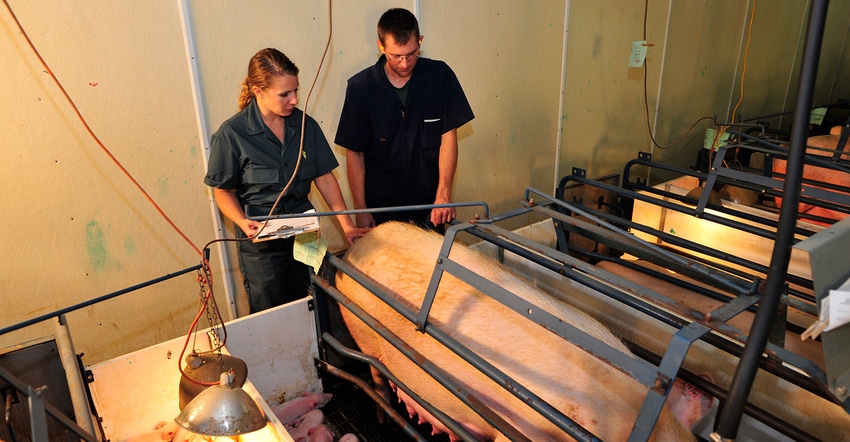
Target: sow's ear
point(688, 403)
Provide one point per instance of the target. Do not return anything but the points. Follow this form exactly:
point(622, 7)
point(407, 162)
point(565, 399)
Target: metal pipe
point(713, 390)
point(8, 415)
point(726, 427)
point(76, 387)
point(204, 138)
point(85, 304)
point(450, 423)
point(405, 426)
point(38, 418)
point(636, 297)
point(38, 407)
point(562, 93)
point(378, 210)
point(437, 372)
point(638, 245)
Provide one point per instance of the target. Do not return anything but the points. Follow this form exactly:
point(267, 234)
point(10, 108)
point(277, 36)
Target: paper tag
point(837, 304)
point(310, 248)
point(817, 116)
point(711, 141)
point(638, 54)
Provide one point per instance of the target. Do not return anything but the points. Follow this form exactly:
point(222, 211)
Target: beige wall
point(76, 228)
point(693, 70)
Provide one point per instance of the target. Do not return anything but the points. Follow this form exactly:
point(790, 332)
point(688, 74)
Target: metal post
point(726, 427)
point(38, 417)
point(76, 385)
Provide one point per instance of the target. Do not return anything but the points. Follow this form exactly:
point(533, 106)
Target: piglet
point(348, 437)
point(162, 431)
point(299, 406)
point(183, 435)
point(299, 429)
point(321, 434)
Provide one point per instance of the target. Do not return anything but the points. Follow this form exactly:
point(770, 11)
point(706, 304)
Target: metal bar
point(682, 265)
point(837, 103)
point(672, 361)
point(521, 392)
point(450, 423)
point(842, 141)
point(678, 261)
point(409, 429)
point(632, 194)
point(779, 149)
point(729, 415)
point(829, 195)
point(636, 297)
point(204, 136)
point(804, 303)
point(713, 390)
point(76, 384)
point(811, 191)
point(95, 300)
point(815, 382)
point(433, 370)
point(643, 373)
point(436, 276)
point(660, 380)
point(41, 406)
point(378, 210)
point(38, 418)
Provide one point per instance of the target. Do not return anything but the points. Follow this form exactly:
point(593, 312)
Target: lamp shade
point(222, 410)
point(207, 368)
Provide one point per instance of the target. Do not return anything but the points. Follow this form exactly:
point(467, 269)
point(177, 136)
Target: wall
point(693, 70)
point(76, 228)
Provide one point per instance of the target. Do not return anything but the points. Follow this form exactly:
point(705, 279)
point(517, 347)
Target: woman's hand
point(249, 226)
point(353, 233)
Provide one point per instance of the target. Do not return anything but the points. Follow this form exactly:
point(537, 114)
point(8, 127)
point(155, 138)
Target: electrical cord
point(645, 93)
point(205, 279)
point(207, 274)
point(723, 129)
point(209, 299)
point(92, 134)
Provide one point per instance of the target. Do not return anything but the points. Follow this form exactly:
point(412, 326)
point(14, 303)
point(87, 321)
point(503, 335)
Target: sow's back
point(600, 398)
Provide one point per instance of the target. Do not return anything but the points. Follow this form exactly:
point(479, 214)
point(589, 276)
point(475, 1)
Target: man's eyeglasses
point(400, 58)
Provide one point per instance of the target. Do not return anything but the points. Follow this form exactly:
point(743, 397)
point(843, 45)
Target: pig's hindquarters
point(588, 391)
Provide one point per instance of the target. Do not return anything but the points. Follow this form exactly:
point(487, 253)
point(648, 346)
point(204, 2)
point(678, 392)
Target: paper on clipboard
point(285, 227)
point(834, 312)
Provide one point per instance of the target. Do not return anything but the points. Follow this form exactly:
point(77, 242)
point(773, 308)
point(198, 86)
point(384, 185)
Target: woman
point(253, 156)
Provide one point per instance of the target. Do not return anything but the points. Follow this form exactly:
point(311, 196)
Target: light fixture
point(222, 410)
point(696, 192)
point(738, 195)
point(203, 370)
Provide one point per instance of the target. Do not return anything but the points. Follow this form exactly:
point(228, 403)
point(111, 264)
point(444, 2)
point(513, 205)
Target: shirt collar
point(381, 76)
point(255, 124)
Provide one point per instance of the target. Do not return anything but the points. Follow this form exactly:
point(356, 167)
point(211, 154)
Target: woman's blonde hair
point(264, 66)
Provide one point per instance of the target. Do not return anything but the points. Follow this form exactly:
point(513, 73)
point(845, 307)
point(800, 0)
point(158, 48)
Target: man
point(399, 128)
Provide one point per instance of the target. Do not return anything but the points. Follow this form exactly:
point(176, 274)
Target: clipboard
point(286, 227)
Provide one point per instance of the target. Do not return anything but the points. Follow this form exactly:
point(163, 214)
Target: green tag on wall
point(817, 116)
point(710, 142)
